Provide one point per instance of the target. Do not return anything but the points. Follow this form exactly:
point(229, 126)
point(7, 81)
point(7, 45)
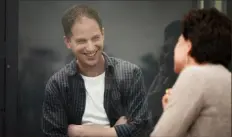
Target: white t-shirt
point(94, 108)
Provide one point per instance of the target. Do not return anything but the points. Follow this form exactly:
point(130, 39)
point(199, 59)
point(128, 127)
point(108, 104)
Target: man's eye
point(81, 41)
point(96, 38)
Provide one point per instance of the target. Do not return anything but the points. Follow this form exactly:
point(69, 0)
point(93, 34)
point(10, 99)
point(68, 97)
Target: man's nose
point(90, 47)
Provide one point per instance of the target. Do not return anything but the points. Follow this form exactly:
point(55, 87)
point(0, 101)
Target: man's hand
point(85, 130)
point(121, 120)
point(75, 131)
point(90, 131)
point(165, 98)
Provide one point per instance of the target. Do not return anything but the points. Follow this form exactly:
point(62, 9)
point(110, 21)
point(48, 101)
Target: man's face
point(86, 41)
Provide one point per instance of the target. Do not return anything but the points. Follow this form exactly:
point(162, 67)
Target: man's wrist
point(111, 132)
point(98, 131)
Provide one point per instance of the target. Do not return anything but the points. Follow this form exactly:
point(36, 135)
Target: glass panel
point(142, 32)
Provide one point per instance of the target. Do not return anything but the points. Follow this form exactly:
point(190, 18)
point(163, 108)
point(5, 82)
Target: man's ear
point(103, 33)
point(67, 42)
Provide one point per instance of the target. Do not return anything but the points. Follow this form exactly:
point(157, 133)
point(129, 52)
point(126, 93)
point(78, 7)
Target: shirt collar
point(72, 68)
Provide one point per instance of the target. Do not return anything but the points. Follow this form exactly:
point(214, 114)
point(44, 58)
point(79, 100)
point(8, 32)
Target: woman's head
point(205, 38)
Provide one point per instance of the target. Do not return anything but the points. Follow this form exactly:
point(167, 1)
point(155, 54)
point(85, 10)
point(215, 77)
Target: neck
point(93, 71)
point(192, 62)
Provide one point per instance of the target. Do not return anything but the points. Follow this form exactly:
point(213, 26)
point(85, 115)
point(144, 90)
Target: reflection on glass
point(134, 31)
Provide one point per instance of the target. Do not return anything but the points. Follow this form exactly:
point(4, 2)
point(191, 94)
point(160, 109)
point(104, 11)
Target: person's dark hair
point(210, 34)
point(172, 30)
point(75, 13)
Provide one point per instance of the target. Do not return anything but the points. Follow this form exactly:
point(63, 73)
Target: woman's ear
point(189, 46)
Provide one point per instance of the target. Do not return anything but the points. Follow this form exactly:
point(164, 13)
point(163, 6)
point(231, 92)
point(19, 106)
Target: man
point(91, 95)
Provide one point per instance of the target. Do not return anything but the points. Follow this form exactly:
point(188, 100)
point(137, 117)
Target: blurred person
point(199, 103)
point(166, 76)
point(94, 95)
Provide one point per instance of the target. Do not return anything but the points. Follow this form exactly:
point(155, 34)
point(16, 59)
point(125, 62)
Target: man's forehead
point(86, 26)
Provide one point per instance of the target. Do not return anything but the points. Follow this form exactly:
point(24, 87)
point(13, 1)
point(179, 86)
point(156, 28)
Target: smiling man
point(94, 92)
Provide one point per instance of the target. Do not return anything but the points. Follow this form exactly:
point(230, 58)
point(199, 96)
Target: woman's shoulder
point(192, 71)
point(206, 72)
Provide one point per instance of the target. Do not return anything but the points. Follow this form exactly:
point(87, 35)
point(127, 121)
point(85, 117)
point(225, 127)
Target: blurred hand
point(85, 130)
point(90, 131)
point(165, 98)
point(75, 130)
point(121, 120)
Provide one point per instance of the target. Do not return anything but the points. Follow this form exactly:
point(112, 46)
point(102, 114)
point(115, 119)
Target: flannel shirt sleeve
point(138, 115)
point(54, 119)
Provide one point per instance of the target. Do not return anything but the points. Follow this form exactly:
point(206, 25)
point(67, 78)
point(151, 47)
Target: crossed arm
point(94, 130)
point(55, 120)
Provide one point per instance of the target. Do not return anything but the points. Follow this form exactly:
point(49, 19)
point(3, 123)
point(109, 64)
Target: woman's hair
point(210, 34)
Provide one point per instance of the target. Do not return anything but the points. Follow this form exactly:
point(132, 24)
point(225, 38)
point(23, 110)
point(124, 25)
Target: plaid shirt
point(125, 95)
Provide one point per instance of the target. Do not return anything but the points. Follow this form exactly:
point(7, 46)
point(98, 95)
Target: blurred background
point(32, 49)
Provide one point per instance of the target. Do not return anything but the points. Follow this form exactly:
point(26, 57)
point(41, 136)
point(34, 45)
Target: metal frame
point(2, 67)
point(11, 67)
